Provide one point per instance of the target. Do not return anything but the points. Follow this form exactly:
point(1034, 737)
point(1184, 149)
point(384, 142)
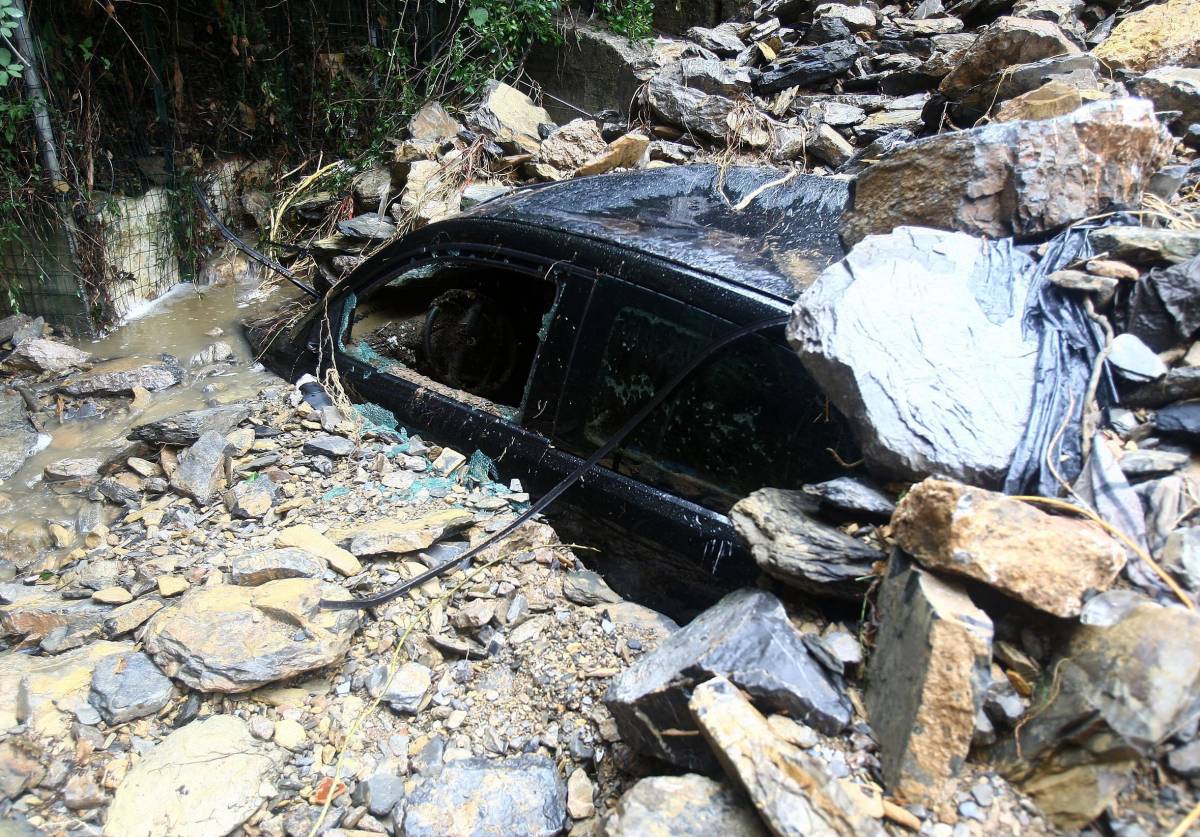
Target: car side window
point(468, 330)
point(749, 417)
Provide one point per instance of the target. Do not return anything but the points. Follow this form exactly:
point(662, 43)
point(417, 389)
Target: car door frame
point(515, 442)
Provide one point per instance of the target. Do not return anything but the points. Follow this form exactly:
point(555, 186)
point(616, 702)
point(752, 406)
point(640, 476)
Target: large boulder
point(203, 780)
point(1047, 561)
point(789, 545)
point(1119, 688)
point(675, 103)
point(233, 639)
point(926, 680)
point(792, 791)
point(1158, 35)
point(521, 795)
point(926, 393)
point(747, 638)
point(43, 355)
point(1014, 178)
point(1006, 42)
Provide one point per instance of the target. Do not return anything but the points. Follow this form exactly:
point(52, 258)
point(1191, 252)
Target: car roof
point(757, 227)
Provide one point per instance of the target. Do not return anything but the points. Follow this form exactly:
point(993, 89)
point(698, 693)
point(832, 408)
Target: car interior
point(472, 328)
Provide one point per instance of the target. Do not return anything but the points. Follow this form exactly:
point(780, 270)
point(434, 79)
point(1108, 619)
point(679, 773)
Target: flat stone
point(926, 680)
point(308, 539)
point(1050, 562)
point(112, 596)
point(406, 690)
point(43, 355)
point(335, 447)
point(119, 377)
point(255, 568)
point(403, 535)
point(370, 226)
point(1140, 464)
point(520, 795)
point(1121, 689)
point(1178, 384)
point(910, 425)
point(579, 795)
point(1090, 161)
point(1146, 244)
point(1054, 98)
point(289, 734)
point(233, 639)
point(622, 153)
point(1156, 36)
point(1179, 420)
point(203, 780)
point(47, 692)
point(788, 545)
point(130, 616)
point(746, 637)
point(171, 585)
point(381, 793)
point(689, 804)
point(721, 40)
point(72, 469)
point(852, 498)
point(128, 687)
point(792, 791)
point(1185, 761)
point(675, 103)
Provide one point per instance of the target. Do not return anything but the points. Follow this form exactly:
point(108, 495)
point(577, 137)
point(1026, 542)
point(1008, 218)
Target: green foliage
point(632, 18)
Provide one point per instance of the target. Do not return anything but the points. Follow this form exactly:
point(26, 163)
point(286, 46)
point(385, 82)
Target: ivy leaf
point(479, 16)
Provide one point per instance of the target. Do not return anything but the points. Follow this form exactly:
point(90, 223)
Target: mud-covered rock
point(1014, 178)
point(789, 545)
point(203, 780)
point(792, 791)
point(926, 679)
point(230, 639)
point(520, 795)
point(747, 638)
point(1050, 562)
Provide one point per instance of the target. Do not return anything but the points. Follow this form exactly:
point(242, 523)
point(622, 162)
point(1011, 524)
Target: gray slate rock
point(186, 428)
point(407, 689)
point(1182, 382)
point(747, 638)
point(1182, 420)
point(947, 393)
point(43, 355)
point(722, 40)
point(853, 499)
point(479, 797)
point(331, 446)
point(809, 66)
point(119, 377)
point(128, 686)
point(381, 793)
point(201, 468)
point(790, 546)
point(1151, 463)
point(694, 110)
point(257, 568)
point(1134, 361)
point(369, 225)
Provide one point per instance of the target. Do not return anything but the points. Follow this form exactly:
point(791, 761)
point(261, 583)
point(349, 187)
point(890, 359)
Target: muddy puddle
point(183, 323)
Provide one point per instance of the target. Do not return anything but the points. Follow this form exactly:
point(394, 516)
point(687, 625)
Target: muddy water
point(182, 323)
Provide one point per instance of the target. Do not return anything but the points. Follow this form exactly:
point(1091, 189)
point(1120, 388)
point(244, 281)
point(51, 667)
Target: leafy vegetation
point(632, 18)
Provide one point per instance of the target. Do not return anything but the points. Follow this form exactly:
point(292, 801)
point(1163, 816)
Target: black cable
point(232, 237)
point(555, 492)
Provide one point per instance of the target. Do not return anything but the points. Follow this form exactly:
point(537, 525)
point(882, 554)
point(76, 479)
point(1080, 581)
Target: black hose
point(232, 237)
point(555, 492)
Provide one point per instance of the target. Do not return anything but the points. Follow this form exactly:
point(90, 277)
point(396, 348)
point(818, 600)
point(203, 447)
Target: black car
point(532, 326)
